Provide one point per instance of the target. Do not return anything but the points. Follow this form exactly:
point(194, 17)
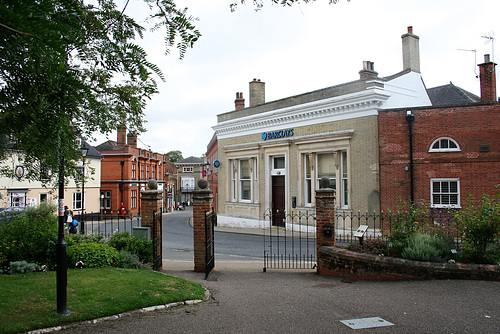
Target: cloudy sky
point(300, 49)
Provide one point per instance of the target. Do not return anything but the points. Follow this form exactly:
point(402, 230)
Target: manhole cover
point(366, 323)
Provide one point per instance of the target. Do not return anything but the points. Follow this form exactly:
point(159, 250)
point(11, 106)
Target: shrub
point(31, 236)
point(75, 239)
point(23, 267)
point(372, 246)
point(406, 220)
point(92, 254)
point(128, 260)
point(479, 224)
point(424, 247)
point(142, 247)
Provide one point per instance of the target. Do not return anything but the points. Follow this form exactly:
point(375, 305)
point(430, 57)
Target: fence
point(292, 246)
point(106, 224)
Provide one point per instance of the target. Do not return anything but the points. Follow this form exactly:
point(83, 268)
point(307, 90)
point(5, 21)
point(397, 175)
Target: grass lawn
point(29, 301)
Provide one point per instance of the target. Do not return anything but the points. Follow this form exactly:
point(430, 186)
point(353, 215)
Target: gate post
point(325, 218)
point(151, 201)
point(202, 202)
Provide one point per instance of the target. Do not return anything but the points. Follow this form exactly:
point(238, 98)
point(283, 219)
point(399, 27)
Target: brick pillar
point(150, 202)
point(202, 202)
point(325, 220)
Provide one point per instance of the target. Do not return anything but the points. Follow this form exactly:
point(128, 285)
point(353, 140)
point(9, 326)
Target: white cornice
point(359, 104)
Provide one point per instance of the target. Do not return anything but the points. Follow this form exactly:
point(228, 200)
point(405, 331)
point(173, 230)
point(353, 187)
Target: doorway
point(278, 200)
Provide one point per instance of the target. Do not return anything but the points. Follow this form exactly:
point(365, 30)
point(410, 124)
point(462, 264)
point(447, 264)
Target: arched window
point(444, 144)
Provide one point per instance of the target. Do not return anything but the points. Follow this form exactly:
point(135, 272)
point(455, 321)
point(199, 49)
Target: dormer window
point(444, 144)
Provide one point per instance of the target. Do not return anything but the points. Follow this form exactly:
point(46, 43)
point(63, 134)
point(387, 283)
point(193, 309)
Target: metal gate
point(210, 222)
point(157, 240)
point(292, 246)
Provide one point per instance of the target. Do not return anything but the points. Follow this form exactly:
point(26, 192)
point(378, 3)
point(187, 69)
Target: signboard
point(360, 231)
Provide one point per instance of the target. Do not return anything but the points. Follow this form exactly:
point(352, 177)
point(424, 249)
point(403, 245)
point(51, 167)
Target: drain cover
point(366, 323)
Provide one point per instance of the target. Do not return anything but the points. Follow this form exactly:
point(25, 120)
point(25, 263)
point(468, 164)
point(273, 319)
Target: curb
point(125, 314)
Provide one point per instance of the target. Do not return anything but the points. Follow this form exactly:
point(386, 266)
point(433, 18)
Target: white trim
point(360, 104)
point(456, 149)
point(445, 205)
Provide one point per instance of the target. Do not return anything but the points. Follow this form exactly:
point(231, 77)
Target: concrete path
point(246, 300)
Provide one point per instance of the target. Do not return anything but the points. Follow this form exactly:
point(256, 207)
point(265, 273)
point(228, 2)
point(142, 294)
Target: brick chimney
point(411, 53)
point(121, 135)
point(487, 78)
point(239, 103)
point(367, 71)
point(257, 92)
point(132, 139)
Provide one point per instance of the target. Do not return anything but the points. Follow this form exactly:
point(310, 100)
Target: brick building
point(455, 149)
point(125, 172)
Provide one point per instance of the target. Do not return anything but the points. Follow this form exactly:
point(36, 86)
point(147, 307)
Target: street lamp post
point(62, 270)
point(84, 154)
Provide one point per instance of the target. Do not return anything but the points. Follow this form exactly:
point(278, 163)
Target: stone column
point(202, 202)
point(325, 217)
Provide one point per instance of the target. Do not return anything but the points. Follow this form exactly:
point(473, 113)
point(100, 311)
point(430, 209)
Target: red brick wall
point(470, 126)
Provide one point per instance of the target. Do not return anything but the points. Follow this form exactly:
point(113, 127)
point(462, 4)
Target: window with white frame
point(245, 180)
point(344, 198)
point(233, 180)
point(444, 144)
point(445, 193)
point(334, 166)
point(77, 201)
point(308, 167)
point(325, 163)
point(187, 169)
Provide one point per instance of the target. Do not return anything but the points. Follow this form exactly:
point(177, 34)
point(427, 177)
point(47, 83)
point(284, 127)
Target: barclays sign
point(277, 134)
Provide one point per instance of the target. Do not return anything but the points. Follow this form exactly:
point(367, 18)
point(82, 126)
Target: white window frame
point(446, 149)
point(441, 181)
point(187, 169)
point(133, 199)
point(308, 181)
point(334, 156)
point(77, 201)
point(248, 180)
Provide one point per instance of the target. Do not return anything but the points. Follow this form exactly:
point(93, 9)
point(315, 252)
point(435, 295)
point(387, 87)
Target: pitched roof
point(451, 95)
point(190, 160)
point(92, 152)
point(109, 145)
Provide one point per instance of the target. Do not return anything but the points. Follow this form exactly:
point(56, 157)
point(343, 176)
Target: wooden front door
point(278, 200)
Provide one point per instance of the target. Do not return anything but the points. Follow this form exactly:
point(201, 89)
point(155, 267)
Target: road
point(178, 241)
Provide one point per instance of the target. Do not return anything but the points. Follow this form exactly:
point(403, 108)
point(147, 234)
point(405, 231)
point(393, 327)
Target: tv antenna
point(490, 37)
point(475, 59)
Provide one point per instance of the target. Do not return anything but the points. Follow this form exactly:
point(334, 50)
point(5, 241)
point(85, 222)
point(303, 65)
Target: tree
point(70, 69)
point(260, 3)
point(175, 155)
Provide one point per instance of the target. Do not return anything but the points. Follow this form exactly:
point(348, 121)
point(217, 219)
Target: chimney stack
point(411, 52)
point(367, 71)
point(487, 79)
point(121, 134)
point(239, 103)
point(257, 92)
point(132, 139)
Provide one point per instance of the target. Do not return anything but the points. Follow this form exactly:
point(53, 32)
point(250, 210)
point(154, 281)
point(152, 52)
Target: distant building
point(78, 195)
point(126, 170)
point(189, 172)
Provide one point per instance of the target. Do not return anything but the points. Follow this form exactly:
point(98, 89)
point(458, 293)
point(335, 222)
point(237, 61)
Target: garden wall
point(339, 262)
